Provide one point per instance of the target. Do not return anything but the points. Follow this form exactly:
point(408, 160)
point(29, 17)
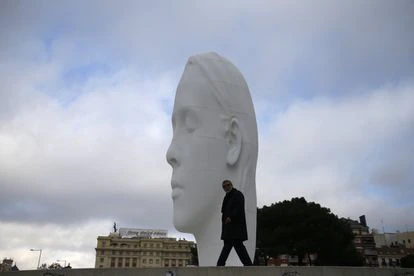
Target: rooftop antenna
point(383, 231)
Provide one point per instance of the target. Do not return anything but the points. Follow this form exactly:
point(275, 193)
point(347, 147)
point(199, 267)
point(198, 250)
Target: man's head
point(227, 186)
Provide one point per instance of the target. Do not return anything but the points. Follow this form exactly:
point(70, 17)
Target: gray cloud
point(334, 152)
point(335, 45)
point(108, 146)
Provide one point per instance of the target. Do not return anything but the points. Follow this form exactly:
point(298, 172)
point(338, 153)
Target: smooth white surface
point(214, 138)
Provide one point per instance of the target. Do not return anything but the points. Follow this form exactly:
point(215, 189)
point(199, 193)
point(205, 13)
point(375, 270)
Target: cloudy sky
point(87, 88)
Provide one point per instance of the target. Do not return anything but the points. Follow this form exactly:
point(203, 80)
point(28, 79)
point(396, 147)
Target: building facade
point(364, 241)
point(398, 239)
point(392, 247)
point(383, 250)
point(391, 256)
point(136, 250)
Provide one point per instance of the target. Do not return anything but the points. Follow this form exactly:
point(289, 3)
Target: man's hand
point(227, 220)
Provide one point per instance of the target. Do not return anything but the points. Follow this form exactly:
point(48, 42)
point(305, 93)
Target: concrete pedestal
point(223, 271)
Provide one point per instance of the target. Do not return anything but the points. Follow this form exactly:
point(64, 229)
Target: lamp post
point(61, 261)
point(40, 255)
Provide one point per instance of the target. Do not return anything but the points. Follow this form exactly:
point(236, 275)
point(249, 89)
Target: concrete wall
point(222, 271)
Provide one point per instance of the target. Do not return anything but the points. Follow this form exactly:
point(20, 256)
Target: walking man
point(234, 230)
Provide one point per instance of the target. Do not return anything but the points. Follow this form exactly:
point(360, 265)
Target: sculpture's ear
point(235, 142)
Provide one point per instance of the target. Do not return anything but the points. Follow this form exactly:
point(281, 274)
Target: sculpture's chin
point(182, 223)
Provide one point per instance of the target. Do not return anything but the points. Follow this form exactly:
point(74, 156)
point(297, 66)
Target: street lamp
point(40, 255)
point(61, 261)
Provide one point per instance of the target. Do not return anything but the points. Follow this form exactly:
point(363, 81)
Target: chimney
point(363, 221)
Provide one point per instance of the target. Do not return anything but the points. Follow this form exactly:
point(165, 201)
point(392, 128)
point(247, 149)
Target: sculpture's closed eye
point(185, 120)
point(191, 121)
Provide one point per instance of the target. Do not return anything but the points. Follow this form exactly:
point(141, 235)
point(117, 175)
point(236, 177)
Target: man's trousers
point(240, 250)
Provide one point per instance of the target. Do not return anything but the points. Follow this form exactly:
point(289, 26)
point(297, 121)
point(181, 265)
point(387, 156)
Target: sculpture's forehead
point(217, 87)
point(195, 89)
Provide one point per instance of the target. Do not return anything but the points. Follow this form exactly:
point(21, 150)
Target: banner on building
point(142, 233)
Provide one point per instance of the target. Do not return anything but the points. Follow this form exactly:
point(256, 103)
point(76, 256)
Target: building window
point(157, 261)
point(112, 262)
point(150, 261)
point(102, 259)
point(119, 262)
point(127, 262)
point(103, 243)
point(144, 261)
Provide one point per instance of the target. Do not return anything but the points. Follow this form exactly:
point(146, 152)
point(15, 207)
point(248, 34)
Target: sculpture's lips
point(177, 189)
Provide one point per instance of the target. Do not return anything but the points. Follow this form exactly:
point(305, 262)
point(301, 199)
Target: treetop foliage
point(297, 227)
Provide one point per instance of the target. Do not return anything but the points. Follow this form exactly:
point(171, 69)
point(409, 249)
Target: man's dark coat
point(233, 207)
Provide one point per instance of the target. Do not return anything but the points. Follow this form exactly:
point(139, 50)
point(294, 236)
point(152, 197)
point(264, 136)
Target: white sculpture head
point(214, 138)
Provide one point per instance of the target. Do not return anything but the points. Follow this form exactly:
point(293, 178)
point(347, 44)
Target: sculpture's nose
point(172, 157)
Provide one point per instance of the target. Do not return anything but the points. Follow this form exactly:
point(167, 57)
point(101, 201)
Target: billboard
point(142, 233)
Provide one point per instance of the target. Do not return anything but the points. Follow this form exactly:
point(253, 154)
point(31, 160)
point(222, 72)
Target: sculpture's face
point(197, 152)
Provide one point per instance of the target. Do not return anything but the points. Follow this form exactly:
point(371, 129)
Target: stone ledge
point(222, 271)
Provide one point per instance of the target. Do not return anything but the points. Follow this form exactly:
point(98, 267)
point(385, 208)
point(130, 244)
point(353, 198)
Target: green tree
point(54, 266)
point(194, 255)
point(301, 228)
point(408, 261)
